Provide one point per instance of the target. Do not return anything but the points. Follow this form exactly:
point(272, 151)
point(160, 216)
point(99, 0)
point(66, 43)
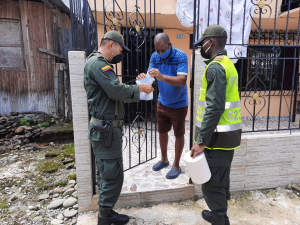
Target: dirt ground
point(22, 181)
point(277, 207)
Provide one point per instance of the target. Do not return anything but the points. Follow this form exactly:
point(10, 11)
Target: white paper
point(198, 168)
point(147, 80)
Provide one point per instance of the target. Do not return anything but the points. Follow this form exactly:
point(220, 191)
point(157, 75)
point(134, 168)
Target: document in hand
point(147, 80)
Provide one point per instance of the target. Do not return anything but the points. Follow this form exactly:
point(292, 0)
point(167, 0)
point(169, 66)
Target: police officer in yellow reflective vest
point(218, 124)
point(105, 96)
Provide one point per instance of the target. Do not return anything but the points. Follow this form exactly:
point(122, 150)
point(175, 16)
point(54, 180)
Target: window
point(11, 50)
point(264, 69)
point(293, 5)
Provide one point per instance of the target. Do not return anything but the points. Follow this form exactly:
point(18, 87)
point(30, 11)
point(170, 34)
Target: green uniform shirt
point(215, 100)
point(104, 89)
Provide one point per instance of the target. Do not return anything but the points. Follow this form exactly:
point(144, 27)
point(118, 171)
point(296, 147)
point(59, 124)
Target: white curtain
point(236, 21)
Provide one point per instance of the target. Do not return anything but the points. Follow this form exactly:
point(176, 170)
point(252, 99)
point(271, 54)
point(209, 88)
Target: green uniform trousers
point(216, 191)
point(110, 173)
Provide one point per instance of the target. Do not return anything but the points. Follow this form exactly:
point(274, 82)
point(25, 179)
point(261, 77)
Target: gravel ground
point(277, 207)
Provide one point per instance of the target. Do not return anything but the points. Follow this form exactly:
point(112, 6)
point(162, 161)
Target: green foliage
point(3, 205)
point(52, 154)
point(72, 176)
point(61, 183)
point(69, 150)
point(49, 167)
point(24, 122)
point(42, 125)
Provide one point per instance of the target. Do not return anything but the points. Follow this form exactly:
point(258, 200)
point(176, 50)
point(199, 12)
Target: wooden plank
point(52, 53)
point(25, 34)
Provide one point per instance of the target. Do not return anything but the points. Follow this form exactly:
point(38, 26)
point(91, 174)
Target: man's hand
point(141, 76)
point(155, 73)
point(147, 88)
point(196, 150)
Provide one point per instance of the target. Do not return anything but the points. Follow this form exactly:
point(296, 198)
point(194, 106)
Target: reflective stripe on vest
point(224, 128)
point(228, 105)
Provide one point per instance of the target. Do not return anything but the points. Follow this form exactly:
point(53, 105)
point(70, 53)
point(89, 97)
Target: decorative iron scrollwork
point(137, 27)
point(261, 8)
point(114, 18)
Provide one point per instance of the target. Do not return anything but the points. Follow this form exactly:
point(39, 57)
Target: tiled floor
point(142, 178)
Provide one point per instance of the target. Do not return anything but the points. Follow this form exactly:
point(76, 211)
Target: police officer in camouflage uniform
point(218, 124)
point(105, 96)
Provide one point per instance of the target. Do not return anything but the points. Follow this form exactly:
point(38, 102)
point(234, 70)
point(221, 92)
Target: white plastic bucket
point(198, 168)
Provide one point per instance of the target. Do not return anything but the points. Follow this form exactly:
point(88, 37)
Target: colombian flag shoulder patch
point(106, 68)
point(218, 58)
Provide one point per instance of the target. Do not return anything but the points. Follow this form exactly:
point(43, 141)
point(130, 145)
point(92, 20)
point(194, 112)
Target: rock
point(34, 146)
point(28, 135)
point(36, 131)
point(19, 130)
point(70, 213)
point(57, 190)
point(2, 149)
point(71, 182)
point(74, 221)
point(55, 204)
point(68, 192)
point(30, 207)
point(75, 206)
point(70, 166)
point(43, 144)
point(43, 196)
point(60, 216)
point(296, 187)
point(14, 113)
point(289, 187)
point(74, 194)
point(56, 221)
point(70, 202)
point(14, 198)
point(67, 187)
point(55, 195)
point(75, 187)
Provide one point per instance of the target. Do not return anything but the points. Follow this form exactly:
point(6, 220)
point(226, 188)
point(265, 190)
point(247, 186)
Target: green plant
point(42, 125)
point(24, 122)
point(72, 176)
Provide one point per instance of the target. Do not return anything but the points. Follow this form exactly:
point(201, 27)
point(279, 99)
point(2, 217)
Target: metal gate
point(137, 24)
point(269, 71)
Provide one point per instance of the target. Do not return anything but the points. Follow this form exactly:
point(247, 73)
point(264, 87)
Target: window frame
point(20, 45)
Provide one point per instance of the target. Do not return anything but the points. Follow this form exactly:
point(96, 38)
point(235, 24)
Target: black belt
point(115, 123)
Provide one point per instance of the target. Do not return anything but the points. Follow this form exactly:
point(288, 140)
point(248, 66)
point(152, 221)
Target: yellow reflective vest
point(227, 134)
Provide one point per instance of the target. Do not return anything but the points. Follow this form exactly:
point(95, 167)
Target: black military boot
point(207, 215)
point(113, 218)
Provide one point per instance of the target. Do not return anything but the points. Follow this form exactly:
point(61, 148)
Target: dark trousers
point(216, 191)
point(110, 175)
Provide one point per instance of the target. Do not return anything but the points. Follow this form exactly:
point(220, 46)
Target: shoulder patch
point(106, 68)
point(210, 74)
point(218, 58)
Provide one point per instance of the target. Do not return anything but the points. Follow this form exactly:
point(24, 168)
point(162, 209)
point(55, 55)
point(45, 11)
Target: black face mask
point(203, 54)
point(116, 59)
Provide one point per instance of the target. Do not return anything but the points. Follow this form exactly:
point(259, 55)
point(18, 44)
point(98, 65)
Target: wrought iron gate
point(269, 71)
point(138, 27)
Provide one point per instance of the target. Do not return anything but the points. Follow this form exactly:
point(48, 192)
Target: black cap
point(115, 36)
point(212, 31)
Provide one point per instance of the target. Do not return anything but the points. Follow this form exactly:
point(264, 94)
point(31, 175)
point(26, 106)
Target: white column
point(80, 126)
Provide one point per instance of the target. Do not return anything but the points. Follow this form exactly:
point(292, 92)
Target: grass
point(69, 150)
point(49, 166)
point(61, 183)
point(24, 122)
point(42, 125)
point(52, 154)
point(3, 205)
point(72, 176)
